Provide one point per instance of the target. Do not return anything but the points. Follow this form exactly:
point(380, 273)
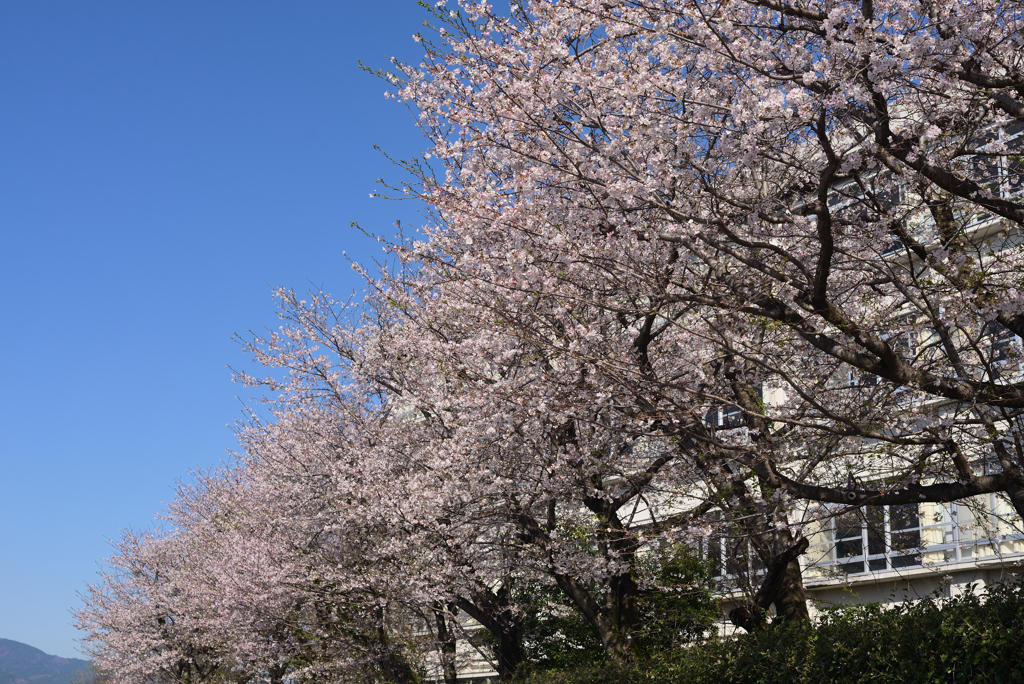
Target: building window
point(727, 417)
point(1002, 348)
point(869, 539)
point(731, 559)
point(882, 538)
point(1012, 164)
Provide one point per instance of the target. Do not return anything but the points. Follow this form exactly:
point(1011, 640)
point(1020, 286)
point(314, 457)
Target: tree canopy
point(694, 269)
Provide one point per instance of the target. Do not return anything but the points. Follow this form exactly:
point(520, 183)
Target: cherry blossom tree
point(694, 269)
point(822, 198)
point(514, 468)
point(267, 574)
point(136, 631)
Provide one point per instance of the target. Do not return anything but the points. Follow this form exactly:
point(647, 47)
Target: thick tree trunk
point(492, 611)
point(446, 643)
point(783, 583)
point(277, 673)
point(622, 618)
point(510, 654)
point(782, 586)
point(790, 600)
point(393, 665)
point(395, 668)
point(614, 620)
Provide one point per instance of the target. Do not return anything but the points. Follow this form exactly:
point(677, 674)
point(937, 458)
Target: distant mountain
point(23, 664)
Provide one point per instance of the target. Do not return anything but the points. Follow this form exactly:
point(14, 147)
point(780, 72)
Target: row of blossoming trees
point(694, 269)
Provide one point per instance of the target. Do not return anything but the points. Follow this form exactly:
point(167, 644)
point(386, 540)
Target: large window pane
point(906, 561)
point(848, 525)
point(874, 518)
point(904, 517)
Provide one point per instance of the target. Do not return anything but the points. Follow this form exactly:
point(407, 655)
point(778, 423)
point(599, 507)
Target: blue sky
point(162, 165)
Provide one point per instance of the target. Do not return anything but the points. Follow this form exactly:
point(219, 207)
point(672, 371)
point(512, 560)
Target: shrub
point(962, 639)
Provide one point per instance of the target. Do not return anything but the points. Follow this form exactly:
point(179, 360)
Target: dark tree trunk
point(783, 583)
point(277, 673)
point(782, 586)
point(446, 642)
point(614, 619)
point(393, 665)
point(790, 600)
point(510, 653)
point(492, 611)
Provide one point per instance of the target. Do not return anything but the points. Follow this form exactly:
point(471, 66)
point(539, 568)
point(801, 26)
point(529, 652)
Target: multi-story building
point(894, 552)
point(902, 552)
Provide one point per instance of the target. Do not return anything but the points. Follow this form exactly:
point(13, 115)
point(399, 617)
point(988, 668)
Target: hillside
point(23, 664)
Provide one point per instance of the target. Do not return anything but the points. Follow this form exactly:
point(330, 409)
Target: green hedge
point(966, 639)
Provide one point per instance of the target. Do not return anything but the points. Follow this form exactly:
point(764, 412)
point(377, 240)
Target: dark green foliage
point(965, 639)
point(680, 609)
point(555, 635)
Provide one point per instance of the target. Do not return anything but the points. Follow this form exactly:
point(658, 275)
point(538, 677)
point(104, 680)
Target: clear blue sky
point(163, 163)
